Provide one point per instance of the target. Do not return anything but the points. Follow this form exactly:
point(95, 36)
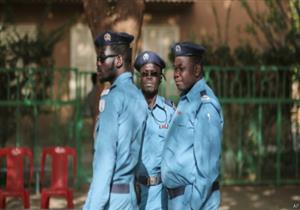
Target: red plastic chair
point(15, 174)
point(59, 174)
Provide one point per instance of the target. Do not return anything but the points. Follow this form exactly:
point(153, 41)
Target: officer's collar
point(158, 102)
point(122, 77)
point(195, 90)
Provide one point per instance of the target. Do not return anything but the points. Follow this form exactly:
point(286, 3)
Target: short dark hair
point(126, 53)
point(198, 61)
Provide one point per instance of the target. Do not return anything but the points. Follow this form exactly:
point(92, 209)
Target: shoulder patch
point(104, 92)
point(203, 92)
point(204, 97)
point(212, 101)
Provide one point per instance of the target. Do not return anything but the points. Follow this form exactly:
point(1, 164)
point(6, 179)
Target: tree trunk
point(116, 15)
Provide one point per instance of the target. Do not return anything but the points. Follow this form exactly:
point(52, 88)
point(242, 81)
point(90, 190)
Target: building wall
point(204, 23)
point(32, 14)
point(195, 22)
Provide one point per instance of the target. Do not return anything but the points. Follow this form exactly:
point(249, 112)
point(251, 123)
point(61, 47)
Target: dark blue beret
point(113, 38)
point(187, 49)
point(148, 57)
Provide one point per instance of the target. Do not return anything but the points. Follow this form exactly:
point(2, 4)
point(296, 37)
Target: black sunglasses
point(102, 58)
point(150, 74)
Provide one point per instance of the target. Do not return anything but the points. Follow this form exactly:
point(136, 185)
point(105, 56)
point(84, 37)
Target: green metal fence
point(37, 110)
point(261, 144)
point(261, 106)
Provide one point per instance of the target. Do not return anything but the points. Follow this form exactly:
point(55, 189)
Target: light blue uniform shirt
point(158, 122)
point(119, 133)
point(191, 156)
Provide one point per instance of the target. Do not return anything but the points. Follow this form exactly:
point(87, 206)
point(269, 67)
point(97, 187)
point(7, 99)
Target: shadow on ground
point(261, 198)
point(233, 198)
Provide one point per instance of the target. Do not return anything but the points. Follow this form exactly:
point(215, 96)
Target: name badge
point(164, 126)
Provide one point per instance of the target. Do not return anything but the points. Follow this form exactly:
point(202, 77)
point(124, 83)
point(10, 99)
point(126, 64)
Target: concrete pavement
point(233, 198)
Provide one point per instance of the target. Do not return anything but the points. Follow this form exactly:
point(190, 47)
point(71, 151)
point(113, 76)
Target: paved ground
point(233, 198)
point(261, 198)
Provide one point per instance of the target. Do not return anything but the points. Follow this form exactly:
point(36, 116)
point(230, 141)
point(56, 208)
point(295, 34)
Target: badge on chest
point(164, 126)
point(161, 120)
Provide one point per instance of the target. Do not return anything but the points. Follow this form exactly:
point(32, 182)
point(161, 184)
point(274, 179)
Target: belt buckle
point(151, 180)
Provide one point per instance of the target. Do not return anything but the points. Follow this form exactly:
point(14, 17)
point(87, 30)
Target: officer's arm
point(207, 151)
point(104, 156)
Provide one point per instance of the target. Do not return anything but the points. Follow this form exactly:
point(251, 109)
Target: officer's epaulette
point(208, 100)
point(204, 97)
point(170, 103)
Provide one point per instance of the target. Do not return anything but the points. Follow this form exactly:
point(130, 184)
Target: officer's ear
point(197, 70)
point(119, 61)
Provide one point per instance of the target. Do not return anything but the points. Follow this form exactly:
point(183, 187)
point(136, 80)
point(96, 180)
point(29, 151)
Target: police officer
point(191, 157)
point(120, 128)
point(160, 111)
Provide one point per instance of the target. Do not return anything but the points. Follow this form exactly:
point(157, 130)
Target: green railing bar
point(257, 101)
point(78, 127)
point(35, 134)
point(253, 101)
point(54, 69)
point(8, 89)
point(37, 102)
point(248, 76)
point(18, 118)
point(259, 142)
point(278, 143)
point(253, 85)
point(18, 121)
point(256, 182)
point(240, 145)
point(297, 153)
point(248, 68)
point(56, 129)
point(277, 85)
point(43, 82)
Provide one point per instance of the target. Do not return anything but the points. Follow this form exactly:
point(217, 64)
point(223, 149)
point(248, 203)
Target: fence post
point(278, 143)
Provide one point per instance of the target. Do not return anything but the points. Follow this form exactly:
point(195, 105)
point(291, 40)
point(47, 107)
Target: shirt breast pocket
point(184, 120)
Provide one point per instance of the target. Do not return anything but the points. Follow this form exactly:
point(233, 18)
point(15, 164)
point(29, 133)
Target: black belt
point(174, 192)
point(149, 180)
point(120, 188)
